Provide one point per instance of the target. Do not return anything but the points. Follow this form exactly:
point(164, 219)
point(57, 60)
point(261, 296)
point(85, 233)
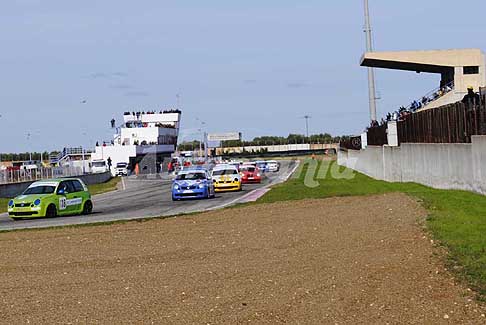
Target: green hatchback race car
point(51, 198)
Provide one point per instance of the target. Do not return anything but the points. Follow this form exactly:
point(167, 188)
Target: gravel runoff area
point(340, 260)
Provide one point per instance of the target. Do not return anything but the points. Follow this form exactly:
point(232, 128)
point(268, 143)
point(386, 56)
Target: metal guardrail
point(25, 175)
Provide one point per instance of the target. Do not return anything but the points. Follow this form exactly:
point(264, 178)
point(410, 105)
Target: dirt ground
point(332, 261)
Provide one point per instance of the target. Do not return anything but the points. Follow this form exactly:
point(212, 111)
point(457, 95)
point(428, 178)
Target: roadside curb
point(261, 191)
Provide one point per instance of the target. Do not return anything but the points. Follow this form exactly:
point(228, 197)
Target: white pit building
point(143, 138)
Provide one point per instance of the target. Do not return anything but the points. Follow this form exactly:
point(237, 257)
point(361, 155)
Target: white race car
point(273, 166)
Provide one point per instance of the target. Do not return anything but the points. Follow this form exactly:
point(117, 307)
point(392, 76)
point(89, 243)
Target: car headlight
point(11, 203)
point(176, 187)
point(258, 175)
point(201, 185)
point(37, 202)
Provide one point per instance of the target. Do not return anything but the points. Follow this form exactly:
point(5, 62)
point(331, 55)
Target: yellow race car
point(226, 178)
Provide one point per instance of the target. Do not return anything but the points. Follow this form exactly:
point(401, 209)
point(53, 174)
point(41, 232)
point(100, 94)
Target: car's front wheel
point(51, 211)
point(88, 207)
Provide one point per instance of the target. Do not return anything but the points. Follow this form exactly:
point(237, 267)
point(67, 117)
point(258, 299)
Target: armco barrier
point(14, 189)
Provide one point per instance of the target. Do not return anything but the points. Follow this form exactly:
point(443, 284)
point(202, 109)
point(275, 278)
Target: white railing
point(25, 175)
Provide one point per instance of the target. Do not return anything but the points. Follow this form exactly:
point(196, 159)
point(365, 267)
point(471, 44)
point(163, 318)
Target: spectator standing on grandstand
point(471, 96)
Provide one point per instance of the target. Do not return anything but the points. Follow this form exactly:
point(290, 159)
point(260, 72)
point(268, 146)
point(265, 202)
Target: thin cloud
point(106, 75)
point(297, 85)
point(98, 75)
point(120, 74)
point(250, 81)
point(137, 94)
point(121, 86)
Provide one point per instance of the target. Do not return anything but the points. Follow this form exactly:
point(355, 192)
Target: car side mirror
point(61, 192)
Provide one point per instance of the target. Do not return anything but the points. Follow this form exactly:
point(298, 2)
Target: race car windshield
point(121, 165)
point(250, 169)
point(190, 176)
point(39, 190)
point(221, 172)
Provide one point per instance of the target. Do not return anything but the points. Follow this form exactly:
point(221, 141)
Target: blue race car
point(192, 183)
point(262, 166)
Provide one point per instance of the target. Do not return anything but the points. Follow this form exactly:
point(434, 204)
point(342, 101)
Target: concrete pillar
point(479, 162)
point(392, 134)
point(364, 140)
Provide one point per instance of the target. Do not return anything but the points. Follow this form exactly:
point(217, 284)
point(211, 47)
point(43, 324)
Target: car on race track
point(226, 178)
point(192, 183)
point(250, 174)
point(51, 198)
point(262, 166)
point(273, 166)
point(237, 164)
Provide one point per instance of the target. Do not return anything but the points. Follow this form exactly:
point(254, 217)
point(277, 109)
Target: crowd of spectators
point(139, 124)
point(139, 113)
point(401, 113)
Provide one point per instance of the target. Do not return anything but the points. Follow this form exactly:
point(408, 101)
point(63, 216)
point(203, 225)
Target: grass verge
point(456, 218)
point(109, 186)
point(3, 205)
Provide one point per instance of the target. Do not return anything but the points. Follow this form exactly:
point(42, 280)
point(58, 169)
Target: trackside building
point(143, 138)
point(441, 143)
point(458, 68)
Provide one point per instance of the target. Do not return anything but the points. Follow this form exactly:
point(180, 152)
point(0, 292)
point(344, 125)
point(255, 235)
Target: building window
point(471, 70)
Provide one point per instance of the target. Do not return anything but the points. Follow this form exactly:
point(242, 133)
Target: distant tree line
point(270, 140)
point(25, 156)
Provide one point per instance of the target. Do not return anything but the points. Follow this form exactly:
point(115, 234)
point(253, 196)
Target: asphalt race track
point(146, 197)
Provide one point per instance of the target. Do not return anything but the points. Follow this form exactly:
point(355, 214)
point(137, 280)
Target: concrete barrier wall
point(14, 189)
point(444, 166)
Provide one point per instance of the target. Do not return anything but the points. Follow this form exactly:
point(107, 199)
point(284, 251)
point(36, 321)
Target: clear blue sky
point(253, 66)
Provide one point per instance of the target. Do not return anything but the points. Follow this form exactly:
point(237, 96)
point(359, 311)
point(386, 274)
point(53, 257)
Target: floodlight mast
point(371, 72)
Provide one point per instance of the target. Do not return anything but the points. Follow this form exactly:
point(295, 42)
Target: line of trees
point(25, 156)
point(270, 140)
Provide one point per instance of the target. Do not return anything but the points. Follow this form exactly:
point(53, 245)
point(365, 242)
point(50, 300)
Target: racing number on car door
point(62, 203)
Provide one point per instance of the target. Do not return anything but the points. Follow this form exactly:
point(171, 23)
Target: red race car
point(250, 174)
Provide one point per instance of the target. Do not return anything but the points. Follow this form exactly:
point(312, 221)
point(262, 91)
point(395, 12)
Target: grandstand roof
point(433, 61)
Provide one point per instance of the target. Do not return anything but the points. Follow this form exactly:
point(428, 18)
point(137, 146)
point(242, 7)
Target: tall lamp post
point(371, 72)
point(83, 151)
point(205, 140)
point(30, 151)
point(307, 117)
